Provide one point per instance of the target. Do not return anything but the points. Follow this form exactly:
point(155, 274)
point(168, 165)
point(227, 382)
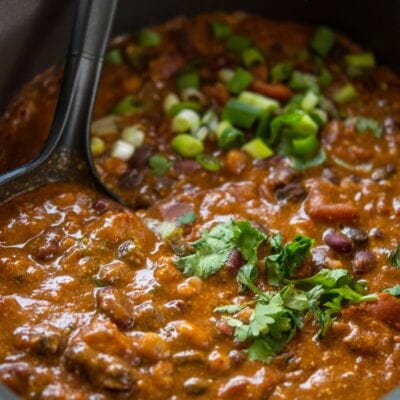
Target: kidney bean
point(293, 192)
point(130, 180)
point(358, 235)
point(364, 261)
point(385, 172)
point(189, 357)
point(235, 261)
point(141, 156)
point(195, 386)
point(186, 166)
point(331, 175)
point(338, 242)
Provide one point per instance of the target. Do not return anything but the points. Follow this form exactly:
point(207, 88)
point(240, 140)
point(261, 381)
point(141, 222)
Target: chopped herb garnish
point(220, 30)
point(187, 218)
point(394, 257)
point(239, 81)
point(214, 247)
point(394, 290)
point(345, 94)
point(285, 259)
point(364, 124)
point(323, 41)
point(114, 57)
point(149, 38)
point(237, 43)
point(240, 114)
point(281, 72)
point(159, 164)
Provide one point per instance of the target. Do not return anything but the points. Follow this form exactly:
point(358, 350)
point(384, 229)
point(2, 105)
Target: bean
point(358, 235)
point(218, 362)
point(338, 242)
point(331, 175)
point(195, 386)
point(235, 261)
point(153, 346)
point(130, 180)
point(236, 357)
point(189, 357)
point(141, 156)
point(236, 161)
point(293, 192)
point(385, 172)
point(186, 166)
point(364, 261)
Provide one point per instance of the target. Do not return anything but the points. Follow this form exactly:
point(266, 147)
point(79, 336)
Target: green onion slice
point(128, 105)
point(187, 145)
point(230, 138)
point(252, 57)
point(239, 81)
point(257, 149)
point(148, 38)
point(240, 114)
point(345, 94)
point(281, 72)
point(190, 79)
point(323, 41)
point(360, 60)
point(184, 105)
point(237, 43)
point(208, 162)
point(220, 30)
point(159, 164)
point(114, 57)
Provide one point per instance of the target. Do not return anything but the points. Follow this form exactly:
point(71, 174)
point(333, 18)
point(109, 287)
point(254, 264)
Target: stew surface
point(262, 260)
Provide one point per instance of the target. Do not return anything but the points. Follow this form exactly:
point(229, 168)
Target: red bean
point(364, 261)
point(338, 242)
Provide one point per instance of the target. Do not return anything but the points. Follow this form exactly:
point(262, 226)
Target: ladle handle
point(89, 38)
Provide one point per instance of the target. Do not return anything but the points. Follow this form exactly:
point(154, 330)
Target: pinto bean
point(338, 242)
point(364, 261)
point(358, 235)
point(102, 370)
point(195, 386)
point(148, 316)
point(153, 346)
point(112, 303)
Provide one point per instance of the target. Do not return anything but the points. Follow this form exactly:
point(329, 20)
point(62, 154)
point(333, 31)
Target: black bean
point(364, 261)
point(338, 242)
point(141, 156)
point(195, 386)
point(235, 261)
point(385, 172)
point(293, 192)
point(130, 180)
point(358, 235)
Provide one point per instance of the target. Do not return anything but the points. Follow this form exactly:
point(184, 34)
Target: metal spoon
point(66, 155)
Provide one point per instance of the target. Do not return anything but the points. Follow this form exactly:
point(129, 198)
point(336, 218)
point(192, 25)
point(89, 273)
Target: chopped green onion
point(302, 81)
point(187, 218)
point(159, 164)
point(252, 57)
point(324, 77)
point(190, 94)
point(364, 124)
point(114, 57)
point(257, 149)
point(122, 150)
point(345, 94)
point(167, 229)
point(281, 72)
point(239, 81)
point(184, 105)
point(220, 30)
point(201, 133)
point(254, 99)
point(237, 43)
point(302, 164)
point(188, 79)
point(107, 125)
point(230, 138)
point(97, 146)
point(240, 114)
point(186, 120)
point(319, 116)
point(170, 100)
point(187, 145)
point(263, 125)
point(148, 38)
point(360, 60)
point(210, 119)
point(128, 105)
point(222, 126)
point(208, 162)
point(133, 135)
point(295, 124)
point(310, 100)
point(323, 40)
point(305, 146)
point(225, 74)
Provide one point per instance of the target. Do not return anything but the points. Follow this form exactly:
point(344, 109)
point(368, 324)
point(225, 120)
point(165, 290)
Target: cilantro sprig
point(213, 248)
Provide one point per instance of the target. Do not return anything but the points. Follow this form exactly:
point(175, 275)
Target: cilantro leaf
point(365, 124)
point(394, 290)
point(394, 257)
point(159, 164)
point(214, 247)
point(228, 309)
point(284, 260)
point(187, 218)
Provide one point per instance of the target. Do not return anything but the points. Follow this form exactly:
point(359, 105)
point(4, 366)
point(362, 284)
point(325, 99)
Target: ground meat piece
point(40, 339)
point(281, 174)
point(386, 309)
point(103, 371)
point(16, 375)
point(186, 166)
point(111, 302)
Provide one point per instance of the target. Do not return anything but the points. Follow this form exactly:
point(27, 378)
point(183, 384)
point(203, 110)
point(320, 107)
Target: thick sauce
point(92, 305)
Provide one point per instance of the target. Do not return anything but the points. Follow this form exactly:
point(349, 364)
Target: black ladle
point(66, 155)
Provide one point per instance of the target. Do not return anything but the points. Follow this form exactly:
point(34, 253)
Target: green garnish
point(240, 114)
point(281, 72)
point(187, 145)
point(230, 138)
point(128, 105)
point(252, 57)
point(220, 30)
point(239, 81)
point(394, 257)
point(309, 162)
point(189, 79)
point(187, 218)
point(208, 162)
point(285, 259)
point(114, 57)
point(184, 105)
point(264, 103)
point(345, 94)
point(360, 60)
point(237, 43)
point(364, 124)
point(214, 247)
point(148, 38)
point(323, 41)
point(302, 81)
point(257, 149)
point(394, 290)
point(159, 164)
